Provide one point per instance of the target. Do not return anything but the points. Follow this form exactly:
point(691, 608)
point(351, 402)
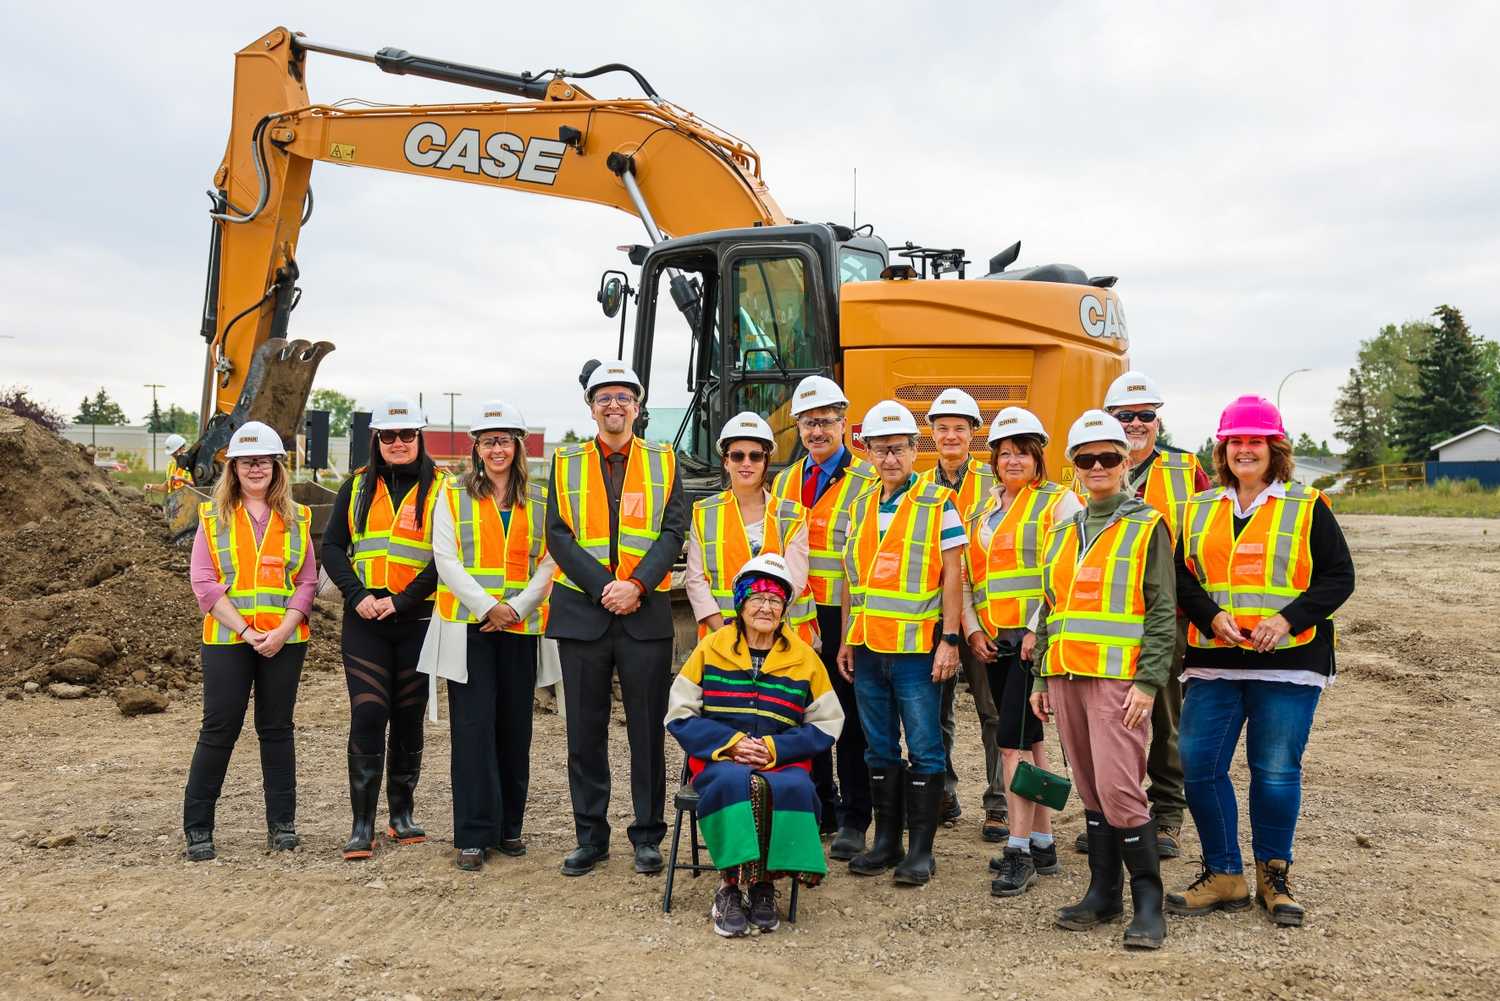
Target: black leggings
point(380, 668)
point(230, 674)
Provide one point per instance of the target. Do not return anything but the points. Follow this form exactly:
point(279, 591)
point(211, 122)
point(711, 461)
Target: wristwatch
point(951, 638)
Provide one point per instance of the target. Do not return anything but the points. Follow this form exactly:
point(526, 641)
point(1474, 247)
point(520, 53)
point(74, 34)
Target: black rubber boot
point(405, 769)
point(1147, 928)
point(364, 798)
point(1104, 901)
point(924, 807)
point(885, 799)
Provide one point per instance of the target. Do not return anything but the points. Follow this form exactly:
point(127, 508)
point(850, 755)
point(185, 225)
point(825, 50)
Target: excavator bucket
point(275, 393)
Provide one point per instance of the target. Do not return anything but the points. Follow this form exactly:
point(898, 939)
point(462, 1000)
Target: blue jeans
point(1279, 716)
point(896, 692)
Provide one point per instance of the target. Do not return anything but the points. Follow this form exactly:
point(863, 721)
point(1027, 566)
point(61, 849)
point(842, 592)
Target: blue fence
point(1487, 473)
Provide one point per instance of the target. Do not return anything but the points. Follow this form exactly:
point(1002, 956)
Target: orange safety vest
point(393, 548)
point(827, 523)
point(896, 580)
point(1006, 576)
point(1170, 484)
point(1257, 574)
point(972, 492)
point(500, 560)
point(1098, 600)
point(177, 477)
point(725, 548)
point(259, 577)
point(583, 503)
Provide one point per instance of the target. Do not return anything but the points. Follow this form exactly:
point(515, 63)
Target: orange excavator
point(767, 299)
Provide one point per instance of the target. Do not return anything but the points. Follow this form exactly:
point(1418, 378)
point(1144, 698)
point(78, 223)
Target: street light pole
point(154, 386)
point(450, 416)
point(1284, 378)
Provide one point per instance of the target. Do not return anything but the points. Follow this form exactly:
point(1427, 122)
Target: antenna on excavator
point(855, 223)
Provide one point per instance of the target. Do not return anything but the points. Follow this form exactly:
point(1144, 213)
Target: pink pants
point(1107, 760)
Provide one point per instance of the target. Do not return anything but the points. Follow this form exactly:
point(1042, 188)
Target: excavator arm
point(648, 157)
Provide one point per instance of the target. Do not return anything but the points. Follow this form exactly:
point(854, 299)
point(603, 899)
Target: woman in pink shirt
point(255, 576)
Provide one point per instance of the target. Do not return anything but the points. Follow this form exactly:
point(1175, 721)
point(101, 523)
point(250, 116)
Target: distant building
point(1480, 444)
point(1314, 467)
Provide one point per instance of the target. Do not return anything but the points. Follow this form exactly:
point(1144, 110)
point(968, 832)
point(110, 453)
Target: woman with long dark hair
point(378, 549)
point(494, 576)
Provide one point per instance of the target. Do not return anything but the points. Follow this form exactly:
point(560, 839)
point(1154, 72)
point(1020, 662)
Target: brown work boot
point(1273, 892)
point(1167, 844)
point(1211, 891)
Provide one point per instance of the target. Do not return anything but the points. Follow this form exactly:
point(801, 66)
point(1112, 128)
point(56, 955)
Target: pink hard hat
point(1252, 416)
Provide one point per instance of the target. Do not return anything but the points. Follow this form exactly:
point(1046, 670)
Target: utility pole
point(155, 413)
point(1283, 383)
point(450, 417)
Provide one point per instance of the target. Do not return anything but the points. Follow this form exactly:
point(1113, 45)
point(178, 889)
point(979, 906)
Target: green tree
point(1357, 419)
point(1206, 455)
point(1304, 445)
point(100, 410)
point(570, 436)
point(18, 401)
point(1387, 364)
point(1448, 397)
point(340, 409)
point(1489, 355)
point(184, 422)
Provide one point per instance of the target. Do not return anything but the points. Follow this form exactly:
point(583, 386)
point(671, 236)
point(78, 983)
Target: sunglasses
point(494, 441)
point(1109, 460)
point(754, 455)
point(1144, 416)
point(407, 435)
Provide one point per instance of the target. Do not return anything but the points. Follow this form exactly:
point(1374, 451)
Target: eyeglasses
point(754, 455)
point(1144, 416)
point(765, 598)
point(1109, 460)
point(884, 452)
point(504, 443)
point(407, 435)
point(256, 462)
point(622, 399)
point(818, 423)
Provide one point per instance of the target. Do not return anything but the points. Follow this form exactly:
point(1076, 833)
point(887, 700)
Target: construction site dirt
point(1396, 847)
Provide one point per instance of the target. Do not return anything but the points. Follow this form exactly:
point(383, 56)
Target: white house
point(1481, 444)
point(1308, 468)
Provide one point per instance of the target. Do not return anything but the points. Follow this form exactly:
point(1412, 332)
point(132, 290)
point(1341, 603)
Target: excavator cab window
point(859, 265)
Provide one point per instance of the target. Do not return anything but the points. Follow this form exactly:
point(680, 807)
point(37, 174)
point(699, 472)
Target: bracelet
point(241, 633)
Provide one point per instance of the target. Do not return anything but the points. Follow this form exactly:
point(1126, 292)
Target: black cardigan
point(1331, 585)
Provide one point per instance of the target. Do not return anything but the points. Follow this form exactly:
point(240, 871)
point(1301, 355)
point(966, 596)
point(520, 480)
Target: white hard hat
point(173, 443)
point(816, 391)
point(954, 403)
point(1095, 425)
point(768, 565)
point(497, 415)
point(1131, 389)
point(613, 373)
point(885, 418)
point(746, 425)
point(1016, 420)
point(397, 414)
point(254, 438)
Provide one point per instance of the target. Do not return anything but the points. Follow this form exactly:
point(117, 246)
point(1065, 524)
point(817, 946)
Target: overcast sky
point(1271, 184)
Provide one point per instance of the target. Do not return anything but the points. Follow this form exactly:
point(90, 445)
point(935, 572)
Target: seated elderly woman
point(751, 708)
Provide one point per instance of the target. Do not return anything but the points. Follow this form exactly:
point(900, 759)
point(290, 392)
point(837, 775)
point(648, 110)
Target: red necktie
point(810, 487)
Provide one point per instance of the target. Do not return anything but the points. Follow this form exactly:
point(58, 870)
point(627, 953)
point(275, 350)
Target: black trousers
point(380, 668)
point(490, 722)
point(850, 798)
point(230, 675)
point(645, 669)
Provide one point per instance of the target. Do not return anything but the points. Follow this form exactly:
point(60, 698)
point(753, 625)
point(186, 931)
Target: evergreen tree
point(1357, 418)
point(1206, 455)
point(100, 410)
point(1449, 394)
point(1387, 364)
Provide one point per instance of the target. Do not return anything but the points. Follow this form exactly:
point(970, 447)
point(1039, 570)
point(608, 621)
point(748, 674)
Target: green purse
point(1037, 784)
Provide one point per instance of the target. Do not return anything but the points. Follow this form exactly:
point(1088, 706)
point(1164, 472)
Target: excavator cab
point(765, 317)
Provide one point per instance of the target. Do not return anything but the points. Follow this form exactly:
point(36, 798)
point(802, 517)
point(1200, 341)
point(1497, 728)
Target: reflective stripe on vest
point(500, 560)
point(1007, 575)
point(177, 477)
point(972, 492)
point(393, 548)
point(584, 503)
point(260, 577)
point(1257, 574)
point(895, 580)
point(827, 523)
point(1098, 602)
point(725, 548)
point(1170, 484)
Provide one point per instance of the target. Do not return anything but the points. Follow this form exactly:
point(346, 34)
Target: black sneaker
point(1017, 874)
point(200, 845)
point(730, 919)
point(1045, 859)
point(281, 838)
point(763, 907)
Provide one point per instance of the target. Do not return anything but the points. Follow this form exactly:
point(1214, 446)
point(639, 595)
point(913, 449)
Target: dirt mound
point(92, 591)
